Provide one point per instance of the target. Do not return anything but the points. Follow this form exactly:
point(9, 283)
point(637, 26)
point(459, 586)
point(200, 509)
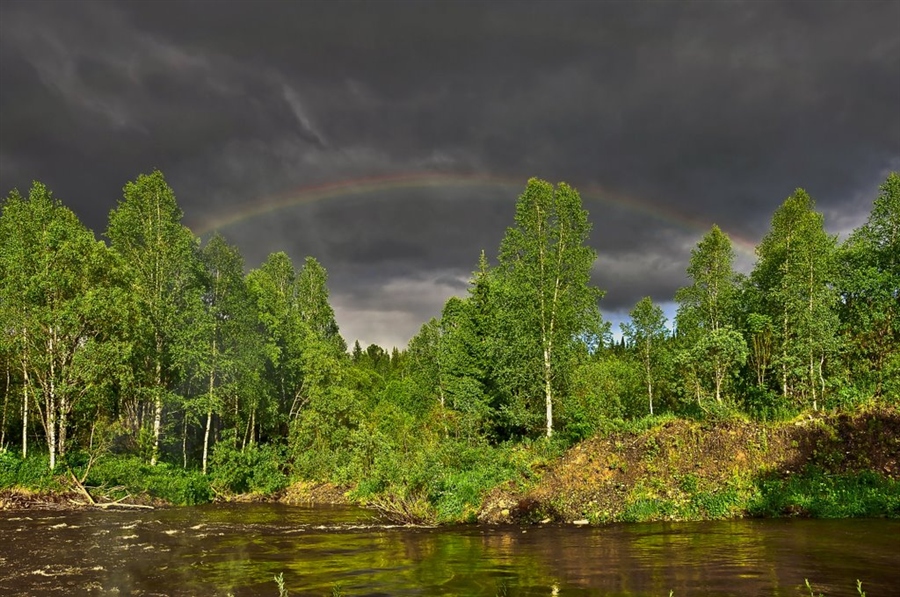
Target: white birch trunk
point(548, 392)
point(50, 404)
point(25, 397)
point(206, 439)
point(157, 406)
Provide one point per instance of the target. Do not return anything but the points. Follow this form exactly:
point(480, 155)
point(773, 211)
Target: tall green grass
point(817, 494)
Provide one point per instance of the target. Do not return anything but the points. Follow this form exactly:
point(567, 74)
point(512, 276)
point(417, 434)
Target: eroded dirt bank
point(689, 470)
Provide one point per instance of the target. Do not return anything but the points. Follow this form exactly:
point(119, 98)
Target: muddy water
point(237, 549)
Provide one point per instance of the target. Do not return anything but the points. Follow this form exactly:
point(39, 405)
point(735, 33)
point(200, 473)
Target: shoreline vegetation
point(148, 369)
point(665, 469)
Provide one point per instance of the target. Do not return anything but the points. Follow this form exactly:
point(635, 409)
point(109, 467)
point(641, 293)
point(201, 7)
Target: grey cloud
point(715, 112)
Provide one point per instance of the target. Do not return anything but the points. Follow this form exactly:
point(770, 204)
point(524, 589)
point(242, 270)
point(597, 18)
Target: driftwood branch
point(81, 488)
point(119, 504)
point(116, 504)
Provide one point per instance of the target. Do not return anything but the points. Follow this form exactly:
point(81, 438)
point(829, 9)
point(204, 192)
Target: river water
point(238, 548)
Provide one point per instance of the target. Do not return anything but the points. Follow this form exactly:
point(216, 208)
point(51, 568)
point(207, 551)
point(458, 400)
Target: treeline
point(152, 343)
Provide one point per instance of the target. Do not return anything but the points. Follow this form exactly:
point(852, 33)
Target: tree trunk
point(209, 415)
point(784, 342)
point(812, 380)
point(697, 387)
point(548, 392)
point(184, 426)
point(822, 374)
point(25, 398)
point(648, 372)
point(720, 374)
point(812, 383)
point(50, 402)
point(157, 425)
point(5, 404)
point(62, 420)
point(157, 398)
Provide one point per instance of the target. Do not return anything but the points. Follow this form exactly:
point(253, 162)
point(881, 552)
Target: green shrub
point(816, 494)
point(718, 504)
point(764, 404)
point(163, 481)
point(32, 473)
point(644, 509)
point(255, 469)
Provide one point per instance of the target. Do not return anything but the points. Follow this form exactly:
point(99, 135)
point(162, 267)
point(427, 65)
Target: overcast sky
point(397, 136)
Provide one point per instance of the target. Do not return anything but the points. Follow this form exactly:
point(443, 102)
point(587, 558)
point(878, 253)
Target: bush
point(764, 404)
point(164, 481)
point(255, 469)
point(32, 473)
point(817, 494)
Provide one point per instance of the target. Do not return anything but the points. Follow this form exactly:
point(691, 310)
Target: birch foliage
point(548, 304)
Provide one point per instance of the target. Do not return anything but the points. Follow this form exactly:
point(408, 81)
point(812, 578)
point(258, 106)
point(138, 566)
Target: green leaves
point(57, 295)
point(166, 276)
point(707, 313)
point(793, 283)
point(868, 283)
point(645, 334)
point(546, 301)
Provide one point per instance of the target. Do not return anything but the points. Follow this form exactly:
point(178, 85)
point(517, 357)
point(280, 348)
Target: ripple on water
point(238, 553)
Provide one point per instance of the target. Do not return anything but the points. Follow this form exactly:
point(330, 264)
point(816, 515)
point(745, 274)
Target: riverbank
point(663, 469)
point(830, 466)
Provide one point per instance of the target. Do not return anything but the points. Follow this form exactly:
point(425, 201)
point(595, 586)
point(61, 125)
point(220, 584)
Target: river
point(238, 548)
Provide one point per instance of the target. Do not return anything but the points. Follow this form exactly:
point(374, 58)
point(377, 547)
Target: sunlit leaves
point(794, 284)
point(544, 281)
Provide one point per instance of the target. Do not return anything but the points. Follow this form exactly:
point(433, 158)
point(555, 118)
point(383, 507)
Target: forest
point(152, 360)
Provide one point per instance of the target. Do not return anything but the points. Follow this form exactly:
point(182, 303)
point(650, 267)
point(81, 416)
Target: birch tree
point(706, 311)
point(870, 292)
point(794, 281)
point(273, 289)
point(545, 268)
point(145, 230)
point(645, 334)
point(229, 323)
point(57, 302)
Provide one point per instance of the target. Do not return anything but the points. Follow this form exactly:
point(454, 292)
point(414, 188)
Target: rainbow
point(424, 180)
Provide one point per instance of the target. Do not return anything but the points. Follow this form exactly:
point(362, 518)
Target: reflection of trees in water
point(186, 551)
point(747, 557)
point(470, 560)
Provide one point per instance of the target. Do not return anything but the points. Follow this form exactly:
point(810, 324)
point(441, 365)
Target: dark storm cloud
point(714, 111)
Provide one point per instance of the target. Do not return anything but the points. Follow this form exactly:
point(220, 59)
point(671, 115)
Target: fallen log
point(81, 488)
point(116, 504)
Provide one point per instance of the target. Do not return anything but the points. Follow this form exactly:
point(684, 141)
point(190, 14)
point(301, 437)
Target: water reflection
point(237, 549)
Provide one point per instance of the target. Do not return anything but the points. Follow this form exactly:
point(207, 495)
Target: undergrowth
point(817, 494)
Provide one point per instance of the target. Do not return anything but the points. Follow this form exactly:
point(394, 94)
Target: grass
point(648, 469)
point(817, 494)
point(118, 475)
point(110, 476)
point(32, 473)
point(812, 593)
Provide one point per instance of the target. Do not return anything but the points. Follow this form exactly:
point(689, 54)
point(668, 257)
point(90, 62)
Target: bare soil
point(23, 499)
point(597, 479)
point(303, 492)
